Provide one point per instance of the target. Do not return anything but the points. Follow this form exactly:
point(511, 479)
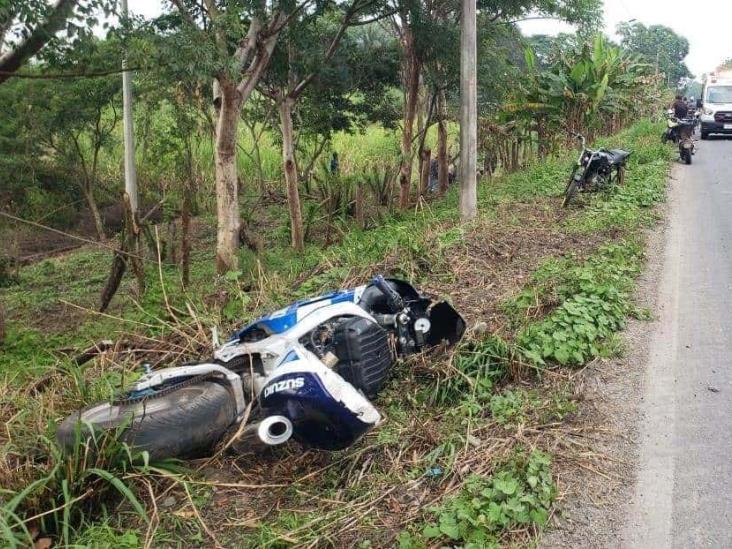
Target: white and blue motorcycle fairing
point(325, 411)
point(270, 337)
point(305, 371)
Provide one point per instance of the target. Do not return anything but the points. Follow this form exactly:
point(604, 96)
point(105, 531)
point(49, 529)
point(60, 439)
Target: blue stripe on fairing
point(277, 324)
point(289, 357)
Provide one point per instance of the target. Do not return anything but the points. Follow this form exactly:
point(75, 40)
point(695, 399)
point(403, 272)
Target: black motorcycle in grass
point(596, 170)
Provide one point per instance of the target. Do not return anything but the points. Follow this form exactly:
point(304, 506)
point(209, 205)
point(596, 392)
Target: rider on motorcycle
point(681, 110)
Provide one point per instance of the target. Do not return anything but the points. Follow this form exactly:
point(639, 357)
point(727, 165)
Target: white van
point(716, 105)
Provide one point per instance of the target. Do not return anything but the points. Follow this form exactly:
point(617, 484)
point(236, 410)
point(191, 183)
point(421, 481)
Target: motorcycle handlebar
point(393, 299)
point(581, 138)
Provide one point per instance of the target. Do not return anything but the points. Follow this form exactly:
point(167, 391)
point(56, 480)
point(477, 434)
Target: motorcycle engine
point(363, 350)
point(364, 353)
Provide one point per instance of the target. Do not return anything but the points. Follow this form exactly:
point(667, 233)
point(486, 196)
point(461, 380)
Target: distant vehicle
point(716, 105)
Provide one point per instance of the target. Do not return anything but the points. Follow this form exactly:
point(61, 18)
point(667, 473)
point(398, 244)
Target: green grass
point(568, 312)
point(518, 495)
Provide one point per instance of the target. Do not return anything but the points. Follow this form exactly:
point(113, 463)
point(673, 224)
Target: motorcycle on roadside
point(681, 132)
point(595, 170)
point(307, 372)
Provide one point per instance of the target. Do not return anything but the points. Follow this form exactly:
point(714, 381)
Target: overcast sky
point(707, 24)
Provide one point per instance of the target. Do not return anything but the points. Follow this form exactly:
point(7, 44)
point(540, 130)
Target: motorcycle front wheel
point(571, 188)
point(184, 421)
point(570, 192)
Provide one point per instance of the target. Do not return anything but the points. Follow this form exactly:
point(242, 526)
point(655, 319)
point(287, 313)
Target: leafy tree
point(548, 50)
point(429, 35)
point(74, 119)
point(586, 13)
point(590, 88)
point(27, 26)
point(349, 92)
point(658, 46)
point(307, 48)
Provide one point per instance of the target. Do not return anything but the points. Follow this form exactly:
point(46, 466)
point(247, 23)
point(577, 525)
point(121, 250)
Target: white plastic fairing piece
point(339, 388)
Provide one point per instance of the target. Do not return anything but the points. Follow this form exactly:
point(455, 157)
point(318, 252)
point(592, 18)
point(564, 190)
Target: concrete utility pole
point(130, 171)
point(468, 112)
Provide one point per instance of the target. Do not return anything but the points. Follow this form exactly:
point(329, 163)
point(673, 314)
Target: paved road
point(683, 497)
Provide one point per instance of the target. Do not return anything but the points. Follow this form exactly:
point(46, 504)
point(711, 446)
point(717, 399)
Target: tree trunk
point(2, 324)
point(411, 71)
point(360, 217)
point(171, 252)
point(94, 209)
point(185, 245)
point(468, 112)
point(442, 160)
point(290, 169)
point(227, 191)
point(424, 176)
point(487, 165)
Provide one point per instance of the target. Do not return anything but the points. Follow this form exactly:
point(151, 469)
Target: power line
point(54, 75)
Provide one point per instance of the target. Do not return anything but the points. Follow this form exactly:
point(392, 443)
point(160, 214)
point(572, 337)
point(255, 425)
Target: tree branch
point(261, 60)
point(276, 29)
point(349, 15)
point(184, 12)
point(34, 42)
point(214, 17)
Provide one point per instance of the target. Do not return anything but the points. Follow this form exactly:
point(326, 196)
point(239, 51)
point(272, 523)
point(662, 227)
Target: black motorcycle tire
point(571, 189)
point(184, 422)
point(688, 157)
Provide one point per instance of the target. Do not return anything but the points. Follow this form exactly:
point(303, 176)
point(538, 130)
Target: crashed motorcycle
point(307, 372)
point(595, 170)
point(680, 132)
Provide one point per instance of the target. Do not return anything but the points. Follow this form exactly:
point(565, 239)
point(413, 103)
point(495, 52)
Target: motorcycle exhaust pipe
point(271, 431)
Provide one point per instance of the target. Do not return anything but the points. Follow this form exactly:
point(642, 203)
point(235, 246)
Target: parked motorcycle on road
point(681, 132)
point(595, 170)
point(305, 372)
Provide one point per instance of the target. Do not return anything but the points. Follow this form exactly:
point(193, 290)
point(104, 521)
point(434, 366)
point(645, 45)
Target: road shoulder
point(597, 482)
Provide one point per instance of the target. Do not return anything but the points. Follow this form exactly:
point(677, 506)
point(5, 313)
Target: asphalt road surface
point(683, 495)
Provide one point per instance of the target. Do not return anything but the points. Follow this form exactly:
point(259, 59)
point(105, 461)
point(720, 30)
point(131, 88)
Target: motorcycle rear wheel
point(184, 422)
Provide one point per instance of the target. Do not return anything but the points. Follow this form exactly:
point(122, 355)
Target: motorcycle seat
point(618, 156)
